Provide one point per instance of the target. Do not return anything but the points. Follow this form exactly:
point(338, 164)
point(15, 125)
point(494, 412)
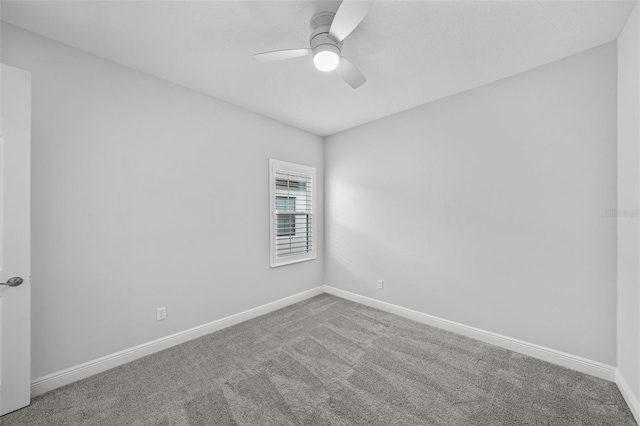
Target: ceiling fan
point(328, 30)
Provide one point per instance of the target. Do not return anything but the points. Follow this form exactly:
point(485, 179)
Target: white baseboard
point(87, 369)
point(563, 359)
point(78, 372)
point(632, 401)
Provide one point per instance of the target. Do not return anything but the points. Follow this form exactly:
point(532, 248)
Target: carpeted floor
point(330, 361)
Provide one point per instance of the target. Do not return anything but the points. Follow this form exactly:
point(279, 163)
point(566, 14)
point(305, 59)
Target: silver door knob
point(13, 282)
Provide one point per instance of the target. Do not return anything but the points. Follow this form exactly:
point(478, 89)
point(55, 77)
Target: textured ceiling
point(411, 52)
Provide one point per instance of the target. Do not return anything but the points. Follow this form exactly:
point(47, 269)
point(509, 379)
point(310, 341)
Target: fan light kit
point(328, 30)
point(326, 58)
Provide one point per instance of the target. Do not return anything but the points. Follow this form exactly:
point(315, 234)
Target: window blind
point(292, 223)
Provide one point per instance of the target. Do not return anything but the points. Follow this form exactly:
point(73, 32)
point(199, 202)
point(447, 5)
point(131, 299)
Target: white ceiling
point(412, 52)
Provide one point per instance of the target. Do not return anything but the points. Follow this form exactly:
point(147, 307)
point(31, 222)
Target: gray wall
point(145, 194)
point(629, 201)
point(488, 207)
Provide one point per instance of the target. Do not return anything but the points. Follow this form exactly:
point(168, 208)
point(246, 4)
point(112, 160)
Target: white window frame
point(275, 165)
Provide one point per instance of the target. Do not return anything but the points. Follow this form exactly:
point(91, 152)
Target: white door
point(15, 248)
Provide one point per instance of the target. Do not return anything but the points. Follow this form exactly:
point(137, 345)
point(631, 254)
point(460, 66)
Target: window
point(292, 212)
point(285, 222)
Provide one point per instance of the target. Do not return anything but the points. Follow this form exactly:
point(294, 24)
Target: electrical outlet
point(161, 313)
point(379, 284)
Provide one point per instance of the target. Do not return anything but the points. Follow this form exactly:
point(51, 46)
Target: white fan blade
point(278, 55)
point(349, 15)
point(350, 73)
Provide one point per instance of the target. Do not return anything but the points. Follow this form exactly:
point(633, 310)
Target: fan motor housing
point(319, 26)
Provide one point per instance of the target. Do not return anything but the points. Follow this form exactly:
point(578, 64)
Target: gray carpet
point(328, 361)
